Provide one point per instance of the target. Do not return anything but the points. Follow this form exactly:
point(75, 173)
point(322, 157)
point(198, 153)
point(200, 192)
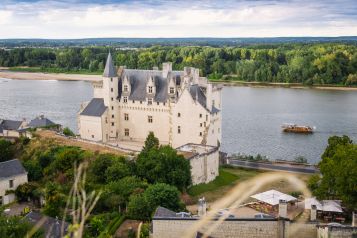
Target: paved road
point(275, 167)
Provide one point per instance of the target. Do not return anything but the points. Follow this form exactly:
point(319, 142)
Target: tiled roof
point(95, 108)
point(11, 168)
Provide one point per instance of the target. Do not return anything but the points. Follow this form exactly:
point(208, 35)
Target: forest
point(304, 63)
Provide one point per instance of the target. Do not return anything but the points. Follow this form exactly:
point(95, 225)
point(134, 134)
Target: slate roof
point(95, 108)
point(11, 168)
point(51, 226)
point(214, 110)
point(10, 124)
point(41, 122)
point(109, 70)
point(198, 95)
point(164, 212)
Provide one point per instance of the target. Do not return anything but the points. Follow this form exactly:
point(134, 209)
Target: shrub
point(7, 150)
point(68, 132)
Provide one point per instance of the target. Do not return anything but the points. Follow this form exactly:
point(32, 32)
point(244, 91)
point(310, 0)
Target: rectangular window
point(133, 101)
point(112, 123)
point(206, 117)
point(178, 114)
point(112, 115)
point(150, 119)
point(126, 116)
point(126, 132)
point(125, 99)
point(141, 102)
point(200, 115)
point(213, 102)
point(150, 89)
point(112, 108)
point(11, 183)
point(111, 89)
point(172, 90)
point(125, 88)
point(179, 129)
point(200, 133)
point(111, 79)
point(112, 99)
point(200, 124)
point(149, 101)
point(158, 103)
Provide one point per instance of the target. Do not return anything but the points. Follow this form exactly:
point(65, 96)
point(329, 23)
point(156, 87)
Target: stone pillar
point(283, 209)
point(354, 219)
point(202, 207)
point(313, 213)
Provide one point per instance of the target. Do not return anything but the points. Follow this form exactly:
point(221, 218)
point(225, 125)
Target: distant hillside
point(146, 42)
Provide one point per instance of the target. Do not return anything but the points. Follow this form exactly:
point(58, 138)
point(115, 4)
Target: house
point(13, 129)
point(204, 161)
point(52, 227)
point(42, 122)
point(12, 174)
point(180, 107)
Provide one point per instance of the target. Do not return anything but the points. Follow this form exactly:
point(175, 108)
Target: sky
point(69, 19)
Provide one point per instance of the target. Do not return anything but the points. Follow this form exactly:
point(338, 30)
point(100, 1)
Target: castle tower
point(110, 95)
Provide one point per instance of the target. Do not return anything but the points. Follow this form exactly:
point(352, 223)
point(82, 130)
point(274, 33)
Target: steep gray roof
point(198, 95)
point(51, 226)
point(11, 168)
point(10, 124)
point(95, 108)
point(41, 122)
point(138, 81)
point(164, 212)
point(109, 70)
point(214, 110)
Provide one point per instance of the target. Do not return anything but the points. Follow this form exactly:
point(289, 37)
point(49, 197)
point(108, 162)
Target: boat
point(294, 128)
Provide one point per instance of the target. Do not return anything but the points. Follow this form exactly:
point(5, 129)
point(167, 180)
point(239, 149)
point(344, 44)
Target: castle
point(180, 107)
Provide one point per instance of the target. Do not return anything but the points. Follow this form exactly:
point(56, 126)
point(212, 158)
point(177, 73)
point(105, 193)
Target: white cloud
point(65, 20)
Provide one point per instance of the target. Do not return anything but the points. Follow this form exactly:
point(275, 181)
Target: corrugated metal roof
point(95, 108)
point(11, 168)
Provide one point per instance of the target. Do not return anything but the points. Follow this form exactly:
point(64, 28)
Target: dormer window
point(150, 89)
point(126, 88)
point(125, 99)
point(150, 101)
point(172, 90)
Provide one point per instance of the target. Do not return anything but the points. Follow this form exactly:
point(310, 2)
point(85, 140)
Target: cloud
point(165, 18)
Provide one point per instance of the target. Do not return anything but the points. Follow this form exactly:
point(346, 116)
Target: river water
point(252, 117)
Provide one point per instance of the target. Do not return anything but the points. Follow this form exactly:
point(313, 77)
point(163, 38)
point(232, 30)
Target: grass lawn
point(229, 177)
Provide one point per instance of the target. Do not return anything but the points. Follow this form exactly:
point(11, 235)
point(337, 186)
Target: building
point(52, 227)
point(180, 107)
point(13, 129)
point(204, 161)
point(12, 174)
point(42, 122)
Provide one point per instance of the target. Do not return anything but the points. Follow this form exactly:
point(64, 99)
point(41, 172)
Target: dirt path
point(84, 145)
point(47, 76)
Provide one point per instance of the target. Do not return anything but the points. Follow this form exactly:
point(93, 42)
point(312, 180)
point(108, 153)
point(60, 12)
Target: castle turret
point(110, 95)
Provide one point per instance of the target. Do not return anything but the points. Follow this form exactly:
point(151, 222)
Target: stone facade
point(231, 228)
point(336, 231)
point(178, 106)
point(10, 183)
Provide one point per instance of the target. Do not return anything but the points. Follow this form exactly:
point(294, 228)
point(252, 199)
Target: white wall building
point(180, 107)
point(12, 174)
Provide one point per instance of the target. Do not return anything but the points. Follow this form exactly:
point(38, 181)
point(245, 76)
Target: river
point(252, 117)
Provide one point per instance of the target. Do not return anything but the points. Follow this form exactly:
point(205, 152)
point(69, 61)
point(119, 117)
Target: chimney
point(283, 209)
point(202, 207)
point(313, 213)
point(354, 219)
point(166, 68)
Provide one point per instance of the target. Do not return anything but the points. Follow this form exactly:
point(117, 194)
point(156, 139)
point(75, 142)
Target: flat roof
point(191, 150)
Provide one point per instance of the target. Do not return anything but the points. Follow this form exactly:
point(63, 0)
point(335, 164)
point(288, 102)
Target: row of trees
point(331, 63)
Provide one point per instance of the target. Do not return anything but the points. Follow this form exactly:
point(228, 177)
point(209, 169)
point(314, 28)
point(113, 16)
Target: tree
point(117, 171)
point(24, 192)
point(6, 150)
point(151, 142)
point(68, 132)
point(164, 165)
point(161, 194)
point(339, 172)
point(139, 207)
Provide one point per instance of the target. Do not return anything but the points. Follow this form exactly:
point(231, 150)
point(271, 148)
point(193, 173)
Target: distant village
point(182, 110)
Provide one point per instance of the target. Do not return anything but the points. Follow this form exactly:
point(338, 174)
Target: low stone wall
point(306, 230)
point(336, 232)
point(242, 228)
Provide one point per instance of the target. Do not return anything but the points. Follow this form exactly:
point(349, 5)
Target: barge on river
point(293, 128)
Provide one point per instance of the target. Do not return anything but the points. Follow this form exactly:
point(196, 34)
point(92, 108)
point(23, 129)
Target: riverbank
point(282, 85)
point(5, 73)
